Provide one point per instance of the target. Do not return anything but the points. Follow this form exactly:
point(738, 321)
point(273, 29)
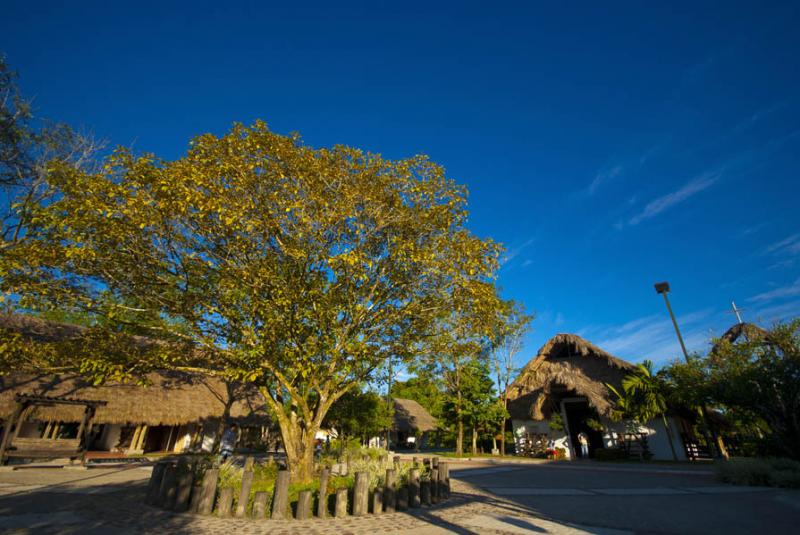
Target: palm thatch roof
point(171, 398)
point(566, 365)
point(750, 331)
point(410, 416)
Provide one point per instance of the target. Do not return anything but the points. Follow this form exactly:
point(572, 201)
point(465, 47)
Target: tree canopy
point(298, 269)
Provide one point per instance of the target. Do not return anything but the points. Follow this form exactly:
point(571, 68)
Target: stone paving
point(110, 500)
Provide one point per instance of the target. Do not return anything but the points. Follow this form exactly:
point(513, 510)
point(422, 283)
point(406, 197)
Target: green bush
point(766, 472)
point(610, 454)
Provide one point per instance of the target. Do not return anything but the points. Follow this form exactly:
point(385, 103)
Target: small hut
point(175, 411)
point(411, 424)
point(562, 392)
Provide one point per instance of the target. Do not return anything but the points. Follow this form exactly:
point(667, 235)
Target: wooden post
point(377, 502)
point(322, 500)
point(413, 488)
point(197, 494)
point(135, 439)
point(416, 462)
point(183, 489)
point(248, 463)
point(244, 494)
point(260, 505)
point(210, 479)
point(443, 481)
point(154, 486)
point(361, 494)
point(46, 432)
point(303, 505)
point(425, 492)
point(341, 503)
point(435, 484)
point(280, 497)
point(434, 463)
point(402, 498)
point(397, 462)
point(225, 502)
point(388, 491)
point(166, 497)
point(142, 438)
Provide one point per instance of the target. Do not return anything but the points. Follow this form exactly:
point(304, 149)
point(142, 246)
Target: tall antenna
point(737, 312)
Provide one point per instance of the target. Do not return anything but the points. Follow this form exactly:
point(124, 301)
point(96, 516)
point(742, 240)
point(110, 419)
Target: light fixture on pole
point(663, 289)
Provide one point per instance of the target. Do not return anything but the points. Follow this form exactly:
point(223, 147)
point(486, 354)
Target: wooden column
point(361, 494)
point(303, 505)
point(260, 505)
point(244, 494)
point(142, 437)
point(341, 503)
point(389, 492)
point(322, 503)
point(280, 498)
point(7, 430)
point(135, 439)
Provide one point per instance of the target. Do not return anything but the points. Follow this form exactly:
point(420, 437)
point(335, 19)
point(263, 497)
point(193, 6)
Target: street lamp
point(663, 289)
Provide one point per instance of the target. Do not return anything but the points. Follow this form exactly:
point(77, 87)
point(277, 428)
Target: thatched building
point(176, 411)
point(565, 386)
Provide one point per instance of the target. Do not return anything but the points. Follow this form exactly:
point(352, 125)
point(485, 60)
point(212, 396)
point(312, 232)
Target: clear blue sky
point(608, 145)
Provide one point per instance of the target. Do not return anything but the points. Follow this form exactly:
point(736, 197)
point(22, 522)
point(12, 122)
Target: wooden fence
point(173, 487)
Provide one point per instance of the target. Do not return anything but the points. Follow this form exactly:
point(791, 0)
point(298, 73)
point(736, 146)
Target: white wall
point(109, 438)
point(657, 439)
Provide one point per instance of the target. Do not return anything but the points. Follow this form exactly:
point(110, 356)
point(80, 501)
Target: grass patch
point(761, 472)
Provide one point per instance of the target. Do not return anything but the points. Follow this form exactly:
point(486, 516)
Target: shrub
point(760, 472)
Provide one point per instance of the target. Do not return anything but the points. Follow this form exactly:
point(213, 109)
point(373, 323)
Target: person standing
point(583, 440)
point(228, 442)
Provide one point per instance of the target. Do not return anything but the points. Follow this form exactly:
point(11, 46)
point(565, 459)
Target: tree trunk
point(668, 429)
point(474, 441)
point(299, 446)
point(460, 437)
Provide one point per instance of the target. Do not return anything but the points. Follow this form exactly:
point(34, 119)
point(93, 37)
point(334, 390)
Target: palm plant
point(643, 398)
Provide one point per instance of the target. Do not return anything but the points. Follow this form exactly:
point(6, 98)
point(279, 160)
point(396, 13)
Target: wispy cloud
point(688, 190)
point(768, 314)
point(783, 292)
point(514, 252)
point(527, 262)
point(653, 337)
point(789, 245)
point(602, 177)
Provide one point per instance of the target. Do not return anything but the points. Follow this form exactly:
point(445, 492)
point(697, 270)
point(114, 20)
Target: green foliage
point(555, 422)
point(359, 414)
point(755, 382)
point(769, 472)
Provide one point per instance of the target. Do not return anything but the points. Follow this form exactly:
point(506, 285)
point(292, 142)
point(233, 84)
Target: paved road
point(643, 500)
point(567, 498)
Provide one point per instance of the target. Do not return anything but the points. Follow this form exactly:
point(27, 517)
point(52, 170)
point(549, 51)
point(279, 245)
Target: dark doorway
point(160, 438)
point(578, 414)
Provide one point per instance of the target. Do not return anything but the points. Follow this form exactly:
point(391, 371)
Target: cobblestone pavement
point(110, 501)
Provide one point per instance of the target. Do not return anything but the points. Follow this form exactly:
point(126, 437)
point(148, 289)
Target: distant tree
point(27, 147)
point(358, 414)
point(295, 269)
point(512, 325)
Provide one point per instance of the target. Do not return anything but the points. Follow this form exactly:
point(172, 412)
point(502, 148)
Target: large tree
point(296, 269)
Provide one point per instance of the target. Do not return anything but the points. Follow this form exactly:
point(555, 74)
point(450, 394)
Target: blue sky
point(609, 145)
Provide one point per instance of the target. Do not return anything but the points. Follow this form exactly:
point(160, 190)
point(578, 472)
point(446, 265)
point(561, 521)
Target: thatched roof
point(172, 398)
point(411, 416)
point(748, 330)
point(566, 365)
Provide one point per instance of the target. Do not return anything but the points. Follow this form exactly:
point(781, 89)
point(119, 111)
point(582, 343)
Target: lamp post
point(663, 289)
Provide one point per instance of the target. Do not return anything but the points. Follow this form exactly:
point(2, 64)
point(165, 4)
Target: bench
point(45, 448)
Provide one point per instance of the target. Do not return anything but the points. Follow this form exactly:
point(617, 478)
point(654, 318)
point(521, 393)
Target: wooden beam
point(20, 406)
